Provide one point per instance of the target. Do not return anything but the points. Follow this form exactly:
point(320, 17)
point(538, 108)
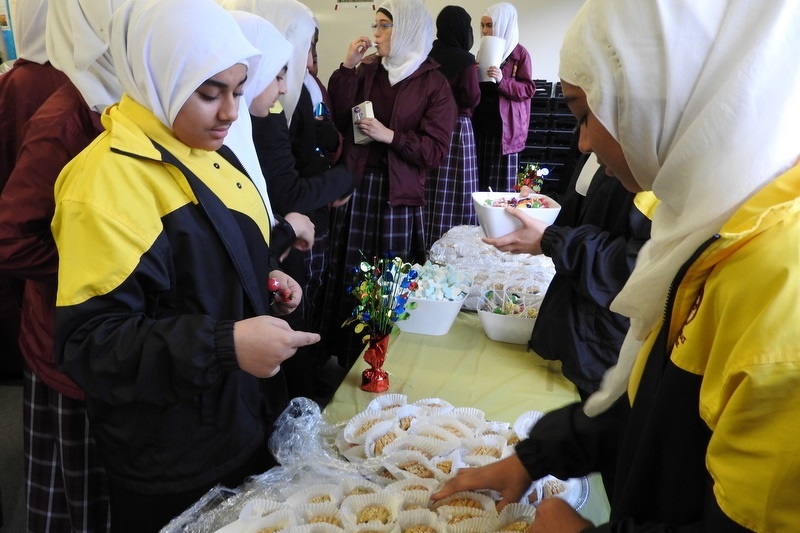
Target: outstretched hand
point(527, 239)
point(508, 477)
point(554, 515)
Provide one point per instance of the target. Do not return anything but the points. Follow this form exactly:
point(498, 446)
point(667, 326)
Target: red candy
point(274, 286)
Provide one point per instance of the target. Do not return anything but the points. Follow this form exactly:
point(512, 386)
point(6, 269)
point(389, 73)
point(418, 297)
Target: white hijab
point(297, 24)
point(412, 38)
point(78, 45)
point(504, 24)
point(29, 30)
point(702, 97)
point(161, 63)
point(276, 51)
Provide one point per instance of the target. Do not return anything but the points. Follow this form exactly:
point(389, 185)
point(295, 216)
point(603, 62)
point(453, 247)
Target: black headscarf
point(454, 39)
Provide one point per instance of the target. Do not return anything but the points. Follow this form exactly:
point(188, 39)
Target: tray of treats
point(463, 248)
point(377, 472)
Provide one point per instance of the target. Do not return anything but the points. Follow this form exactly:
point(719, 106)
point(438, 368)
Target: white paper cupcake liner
point(427, 446)
point(426, 429)
point(408, 415)
point(316, 528)
point(279, 521)
point(258, 507)
point(359, 426)
point(315, 495)
point(516, 517)
point(452, 425)
point(420, 521)
point(468, 500)
point(523, 424)
point(380, 436)
point(472, 417)
point(411, 464)
point(387, 402)
point(426, 486)
point(352, 486)
point(373, 509)
point(435, 405)
point(322, 513)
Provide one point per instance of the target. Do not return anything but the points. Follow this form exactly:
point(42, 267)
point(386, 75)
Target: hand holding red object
point(274, 287)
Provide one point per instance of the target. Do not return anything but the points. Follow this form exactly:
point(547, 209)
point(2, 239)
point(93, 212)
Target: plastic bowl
point(431, 317)
point(514, 329)
point(495, 222)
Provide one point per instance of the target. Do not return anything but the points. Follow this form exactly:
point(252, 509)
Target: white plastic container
point(495, 222)
point(514, 329)
point(431, 317)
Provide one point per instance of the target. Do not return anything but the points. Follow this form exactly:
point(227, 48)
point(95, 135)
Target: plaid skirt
point(66, 487)
point(495, 170)
point(448, 191)
point(365, 228)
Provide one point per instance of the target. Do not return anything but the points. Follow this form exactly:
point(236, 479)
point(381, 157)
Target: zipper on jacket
point(676, 281)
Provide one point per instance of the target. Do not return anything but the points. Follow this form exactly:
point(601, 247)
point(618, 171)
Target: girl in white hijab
point(29, 30)
point(66, 488)
point(409, 134)
point(502, 117)
point(296, 23)
point(502, 19)
point(698, 103)
point(266, 83)
point(170, 328)
point(240, 137)
point(77, 45)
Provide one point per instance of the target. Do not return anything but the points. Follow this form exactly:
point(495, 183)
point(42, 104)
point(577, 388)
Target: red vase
point(375, 379)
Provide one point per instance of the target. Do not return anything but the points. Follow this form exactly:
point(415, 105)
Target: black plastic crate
point(560, 138)
point(557, 154)
point(540, 104)
point(538, 138)
point(543, 88)
point(539, 121)
point(563, 122)
point(559, 105)
point(534, 154)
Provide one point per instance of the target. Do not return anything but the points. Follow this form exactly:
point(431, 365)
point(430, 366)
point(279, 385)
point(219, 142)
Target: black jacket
point(593, 243)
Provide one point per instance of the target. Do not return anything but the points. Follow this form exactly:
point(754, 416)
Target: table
point(468, 369)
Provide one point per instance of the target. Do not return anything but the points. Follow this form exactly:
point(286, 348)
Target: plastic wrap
point(337, 469)
point(463, 248)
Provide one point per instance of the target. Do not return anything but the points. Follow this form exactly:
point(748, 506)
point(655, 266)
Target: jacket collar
point(133, 128)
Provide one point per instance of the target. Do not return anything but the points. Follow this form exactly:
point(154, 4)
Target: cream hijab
point(276, 51)
point(160, 63)
point(297, 24)
point(29, 30)
point(504, 24)
point(412, 38)
point(77, 45)
point(702, 97)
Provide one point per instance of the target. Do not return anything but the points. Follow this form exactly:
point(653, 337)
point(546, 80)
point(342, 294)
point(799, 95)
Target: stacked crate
point(550, 132)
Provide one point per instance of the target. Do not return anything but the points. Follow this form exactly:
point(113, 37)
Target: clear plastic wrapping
point(323, 486)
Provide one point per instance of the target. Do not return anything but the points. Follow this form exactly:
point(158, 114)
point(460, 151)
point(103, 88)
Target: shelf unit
point(550, 132)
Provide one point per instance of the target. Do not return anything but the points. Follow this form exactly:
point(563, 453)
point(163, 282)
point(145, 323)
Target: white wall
point(542, 24)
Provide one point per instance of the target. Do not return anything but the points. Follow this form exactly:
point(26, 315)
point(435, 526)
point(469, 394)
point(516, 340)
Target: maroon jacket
point(466, 90)
point(62, 127)
point(516, 90)
point(423, 119)
point(22, 90)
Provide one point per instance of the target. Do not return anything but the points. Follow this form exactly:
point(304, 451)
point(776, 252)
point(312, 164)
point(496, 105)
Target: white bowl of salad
point(496, 222)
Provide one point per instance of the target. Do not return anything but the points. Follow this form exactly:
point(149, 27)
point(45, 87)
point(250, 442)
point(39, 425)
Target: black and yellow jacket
point(155, 268)
point(707, 438)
